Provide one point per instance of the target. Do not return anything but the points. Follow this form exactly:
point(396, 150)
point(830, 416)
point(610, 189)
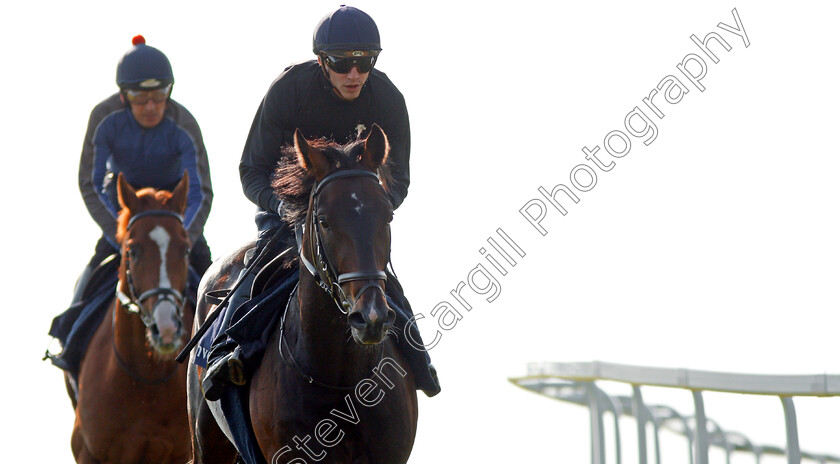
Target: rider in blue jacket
point(152, 140)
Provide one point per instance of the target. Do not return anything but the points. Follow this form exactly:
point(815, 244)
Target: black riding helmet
point(345, 38)
point(143, 67)
point(346, 28)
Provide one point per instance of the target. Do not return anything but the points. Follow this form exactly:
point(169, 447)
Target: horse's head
point(347, 233)
point(154, 267)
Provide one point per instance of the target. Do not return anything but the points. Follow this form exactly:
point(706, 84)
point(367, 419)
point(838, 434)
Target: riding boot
point(425, 374)
point(224, 366)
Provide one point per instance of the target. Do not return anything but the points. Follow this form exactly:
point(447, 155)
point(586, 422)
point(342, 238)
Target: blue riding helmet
point(143, 67)
point(346, 28)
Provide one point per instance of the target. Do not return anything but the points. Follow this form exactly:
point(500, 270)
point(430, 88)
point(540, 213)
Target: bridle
point(324, 273)
point(133, 303)
point(322, 270)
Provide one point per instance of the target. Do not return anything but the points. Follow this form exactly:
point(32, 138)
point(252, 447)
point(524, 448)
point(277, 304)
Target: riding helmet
point(346, 28)
point(143, 67)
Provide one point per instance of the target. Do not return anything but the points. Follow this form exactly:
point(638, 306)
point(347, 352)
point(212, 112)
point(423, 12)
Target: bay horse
point(131, 399)
point(331, 386)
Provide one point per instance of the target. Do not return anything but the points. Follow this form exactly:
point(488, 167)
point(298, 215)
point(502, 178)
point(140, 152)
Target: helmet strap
point(323, 64)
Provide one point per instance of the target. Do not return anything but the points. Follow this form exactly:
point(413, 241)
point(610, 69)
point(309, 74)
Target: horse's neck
point(323, 342)
point(318, 317)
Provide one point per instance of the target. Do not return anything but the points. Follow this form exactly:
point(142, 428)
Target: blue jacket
point(155, 157)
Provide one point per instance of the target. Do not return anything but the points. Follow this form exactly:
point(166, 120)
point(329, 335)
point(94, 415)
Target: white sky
point(714, 247)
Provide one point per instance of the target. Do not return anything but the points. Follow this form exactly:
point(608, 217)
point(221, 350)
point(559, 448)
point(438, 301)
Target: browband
point(154, 212)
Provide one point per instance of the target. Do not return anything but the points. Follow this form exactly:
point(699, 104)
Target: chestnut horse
point(332, 386)
point(131, 401)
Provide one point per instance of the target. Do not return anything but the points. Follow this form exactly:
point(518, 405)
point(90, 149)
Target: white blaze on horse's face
point(166, 313)
point(359, 204)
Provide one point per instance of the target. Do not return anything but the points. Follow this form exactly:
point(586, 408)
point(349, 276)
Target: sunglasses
point(141, 97)
point(343, 64)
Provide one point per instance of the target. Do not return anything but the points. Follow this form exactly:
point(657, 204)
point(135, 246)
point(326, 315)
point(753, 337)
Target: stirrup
point(236, 370)
point(227, 370)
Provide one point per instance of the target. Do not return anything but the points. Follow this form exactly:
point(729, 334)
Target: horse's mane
point(149, 199)
point(292, 183)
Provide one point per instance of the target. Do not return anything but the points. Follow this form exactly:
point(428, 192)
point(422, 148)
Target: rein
point(124, 365)
point(291, 362)
point(322, 270)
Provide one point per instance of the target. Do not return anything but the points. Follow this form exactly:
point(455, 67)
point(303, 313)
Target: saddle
point(273, 271)
point(269, 274)
point(104, 272)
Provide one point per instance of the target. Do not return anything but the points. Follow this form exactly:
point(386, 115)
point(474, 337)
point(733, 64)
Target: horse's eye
point(322, 221)
point(187, 252)
point(133, 253)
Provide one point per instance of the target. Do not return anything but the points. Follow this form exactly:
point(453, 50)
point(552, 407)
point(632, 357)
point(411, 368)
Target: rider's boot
point(223, 370)
point(224, 366)
point(425, 374)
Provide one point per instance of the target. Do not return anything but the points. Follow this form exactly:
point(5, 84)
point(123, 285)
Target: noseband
point(322, 270)
point(132, 302)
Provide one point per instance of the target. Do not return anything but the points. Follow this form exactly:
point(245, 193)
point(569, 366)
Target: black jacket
point(302, 98)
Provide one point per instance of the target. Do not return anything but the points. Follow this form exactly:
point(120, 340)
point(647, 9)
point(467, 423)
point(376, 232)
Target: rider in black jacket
point(339, 96)
point(304, 98)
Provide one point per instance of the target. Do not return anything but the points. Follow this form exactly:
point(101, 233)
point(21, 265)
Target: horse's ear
point(376, 148)
point(178, 200)
point(310, 158)
point(126, 194)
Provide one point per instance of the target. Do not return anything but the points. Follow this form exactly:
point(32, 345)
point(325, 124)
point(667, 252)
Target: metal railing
point(576, 383)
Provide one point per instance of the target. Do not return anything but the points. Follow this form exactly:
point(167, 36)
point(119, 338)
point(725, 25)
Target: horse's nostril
point(392, 317)
point(356, 320)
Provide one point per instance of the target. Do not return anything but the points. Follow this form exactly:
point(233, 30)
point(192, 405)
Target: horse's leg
point(209, 443)
point(77, 444)
point(71, 392)
point(86, 458)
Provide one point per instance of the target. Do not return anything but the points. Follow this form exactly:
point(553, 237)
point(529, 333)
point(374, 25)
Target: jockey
point(338, 96)
point(141, 132)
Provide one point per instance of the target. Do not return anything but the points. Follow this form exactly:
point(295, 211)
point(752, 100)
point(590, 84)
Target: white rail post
point(641, 413)
point(596, 424)
point(701, 434)
point(794, 455)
